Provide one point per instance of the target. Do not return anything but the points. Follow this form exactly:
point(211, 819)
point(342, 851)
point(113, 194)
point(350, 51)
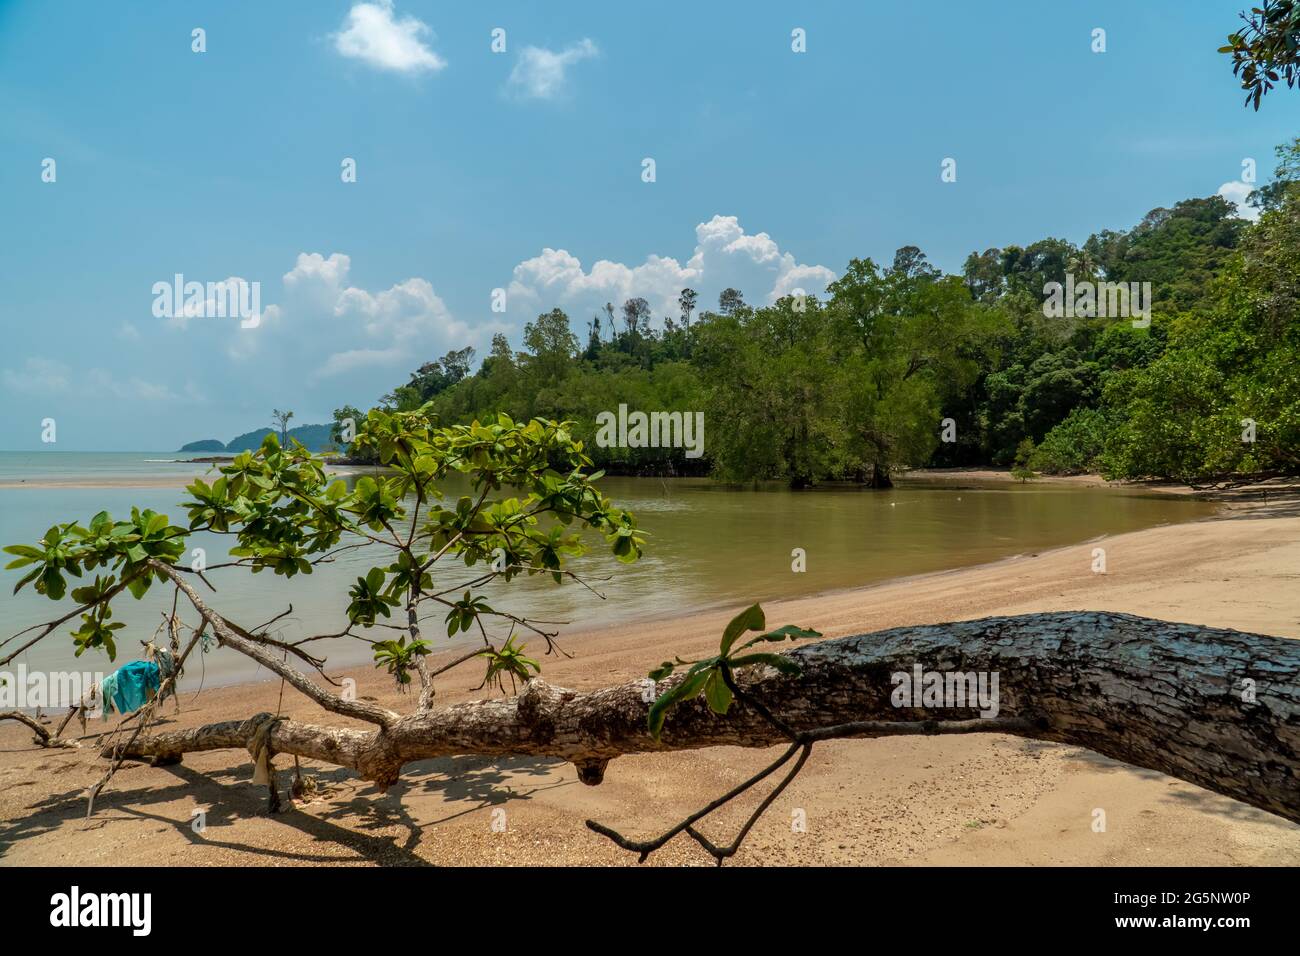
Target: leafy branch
point(1266, 51)
point(715, 678)
point(533, 505)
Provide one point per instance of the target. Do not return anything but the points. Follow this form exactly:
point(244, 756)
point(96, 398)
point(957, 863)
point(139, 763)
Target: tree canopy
point(900, 366)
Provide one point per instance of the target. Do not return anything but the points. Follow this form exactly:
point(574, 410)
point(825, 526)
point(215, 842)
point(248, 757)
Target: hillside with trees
point(901, 366)
point(312, 437)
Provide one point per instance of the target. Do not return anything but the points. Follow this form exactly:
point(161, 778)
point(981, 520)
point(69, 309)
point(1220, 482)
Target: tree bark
point(1214, 707)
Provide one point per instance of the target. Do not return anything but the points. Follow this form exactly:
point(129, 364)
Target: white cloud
point(399, 313)
point(38, 376)
point(373, 34)
point(313, 267)
point(1236, 192)
point(335, 327)
point(539, 73)
point(725, 256)
point(128, 331)
point(327, 326)
point(243, 342)
point(217, 301)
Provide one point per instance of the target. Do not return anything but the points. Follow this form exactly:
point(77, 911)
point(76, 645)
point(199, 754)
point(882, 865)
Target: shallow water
point(60, 467)
point(708, 544)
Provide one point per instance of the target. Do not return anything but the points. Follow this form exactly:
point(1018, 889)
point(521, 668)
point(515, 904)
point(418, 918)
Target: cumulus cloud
point(725, 256)
point(216, 301)
point(312, 267)
point(327, 326)
point(326, 339)
point(1237, 192)
point(398, 314)
point(373, 34)
point(362, 329)
point(540, 74)
point(243, 343)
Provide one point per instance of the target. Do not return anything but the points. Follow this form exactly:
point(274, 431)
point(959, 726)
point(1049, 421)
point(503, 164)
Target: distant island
point(313, 437)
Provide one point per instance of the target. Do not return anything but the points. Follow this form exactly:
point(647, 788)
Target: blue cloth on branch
point(106, 691)
point(131, 686)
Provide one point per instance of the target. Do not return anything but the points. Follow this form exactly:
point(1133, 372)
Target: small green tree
point(1072, 447)
point(347, 421)
point(282, 420)
point(1024, 452)
point(532, 495)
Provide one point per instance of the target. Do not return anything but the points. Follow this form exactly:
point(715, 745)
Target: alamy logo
point(922, 688)
point(653, 430)
point(103, 909)
point(22, 689)
point(1098, 300)
point(230, 298)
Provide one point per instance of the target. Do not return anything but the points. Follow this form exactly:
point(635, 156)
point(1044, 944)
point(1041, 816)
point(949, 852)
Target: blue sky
point(522, 170)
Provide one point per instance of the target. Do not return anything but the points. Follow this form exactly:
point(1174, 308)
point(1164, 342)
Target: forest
point(901, 366)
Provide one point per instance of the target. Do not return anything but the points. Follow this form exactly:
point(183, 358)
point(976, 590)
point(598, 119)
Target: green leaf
point(750, 619)
point(26, 550)
point(53, 584)
point(684, 691)
point(717, 693)
point(31, 576)
point(792, 631)
point(663, 670)
point(789, 632)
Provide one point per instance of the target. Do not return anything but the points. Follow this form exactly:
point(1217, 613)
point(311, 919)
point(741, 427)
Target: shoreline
point(178, 480)
point(961, 479)
point(983, 799)
point(978, 475)
point(855, 592)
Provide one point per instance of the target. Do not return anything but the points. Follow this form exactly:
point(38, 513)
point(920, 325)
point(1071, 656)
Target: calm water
point(708, 545)
point(18, 467)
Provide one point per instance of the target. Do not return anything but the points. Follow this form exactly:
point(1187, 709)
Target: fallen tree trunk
point(1214, 707)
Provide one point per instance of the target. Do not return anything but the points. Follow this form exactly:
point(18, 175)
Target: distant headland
point(313, 437)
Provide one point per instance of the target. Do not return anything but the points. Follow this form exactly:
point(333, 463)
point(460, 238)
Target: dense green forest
point(901, 366)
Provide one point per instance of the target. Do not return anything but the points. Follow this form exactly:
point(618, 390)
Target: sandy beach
point(983, 799)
